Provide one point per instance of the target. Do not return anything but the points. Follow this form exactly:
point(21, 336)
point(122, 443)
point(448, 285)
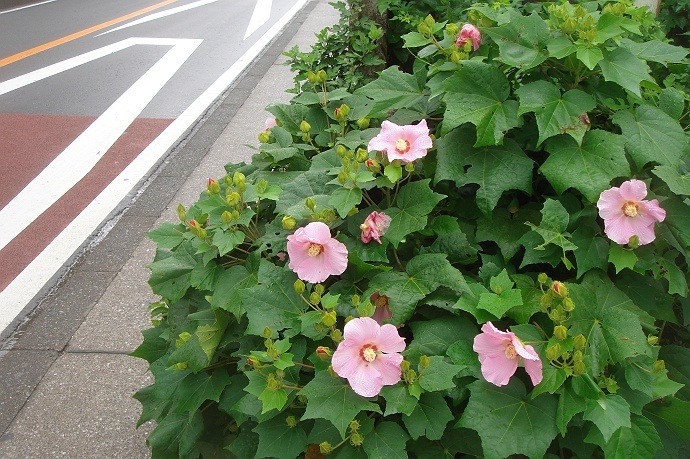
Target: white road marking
point(161, 14)
point(85, 151)
point(19, 293)
point(261, 14)
point(27, 6)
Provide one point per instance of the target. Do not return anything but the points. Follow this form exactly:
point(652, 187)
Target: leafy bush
point(485, 189)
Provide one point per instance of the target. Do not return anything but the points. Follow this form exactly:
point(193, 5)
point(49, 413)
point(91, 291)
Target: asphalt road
point(92, 96)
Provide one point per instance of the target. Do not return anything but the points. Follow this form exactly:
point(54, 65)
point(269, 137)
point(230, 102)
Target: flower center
point(369, 353)
point(511, 353)
point(314, 249)
point(630, 209)
point(402, 146)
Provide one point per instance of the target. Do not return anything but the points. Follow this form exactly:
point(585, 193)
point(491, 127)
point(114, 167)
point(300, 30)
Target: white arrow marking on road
point(261, 14)
point(19, 293)
point(161, 14)
point(85, 151)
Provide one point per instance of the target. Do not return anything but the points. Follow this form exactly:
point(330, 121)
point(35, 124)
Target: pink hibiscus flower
point(368, 357)
point(500, 352)
point(405, 143)
point(270, 122)
point(382, 311)
point(314, 254)
point(374, 226)
point(626, 214)
point(469, 32)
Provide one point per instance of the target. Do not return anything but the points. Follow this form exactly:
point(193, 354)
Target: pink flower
point(469, 32)
point(270, 122)
point(374, 226)
point(405, 143)
point(314, 254)
point(382, 312)
point(500, 352)
point(368, 356)
point(626, 214)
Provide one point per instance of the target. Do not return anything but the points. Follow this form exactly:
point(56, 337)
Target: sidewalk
point(66, 380)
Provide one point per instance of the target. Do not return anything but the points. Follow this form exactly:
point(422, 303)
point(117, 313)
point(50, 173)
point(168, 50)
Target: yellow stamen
point(402, 146)
point(314, 249)
point(630, 209)
point(511, 353)
point(369, 354)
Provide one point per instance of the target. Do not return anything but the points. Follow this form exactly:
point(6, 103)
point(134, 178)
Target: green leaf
point(170, 276)
point(494, 169)
point(640, 440)
point(196, 388)
point(652, 135)
point(393, 89)
point(592, 251)
point(464, 357)
point(478, 94)
point(556, 113)
point(656, 51)
point(569, 404)
point(414, 202)
point(672, 102)
point(176, 435)
point(432, 337)
point(553, 224)
point(590, 167)
point(521, 42)
point(387, 441)
point(560, 47)
point(677, 360)
point(552, 380)
point(589, 55)
point(601, 314)
point(608, 413)
point(623, 67)
point(229, 283)
point(309, 184)
point(393, 172)
point(344, 199)
point(398, 400)
point(168, 236)
point(678, 183)
point(621, 257)
point(273, 399)
point(429, 417)
point(227, 239)
point(439, 375)
point(503, 297)
point(508, 421)
point(505, 229)
point(671, 413)
point(277, 440)
point(210, 335)
point(333, 399)
point(289, 115)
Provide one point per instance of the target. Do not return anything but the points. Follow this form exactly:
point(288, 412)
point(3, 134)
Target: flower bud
point(233, 199)
point(341, 151)
point(291, 421)
point(253, 361)
point(363, 123)
point(299, 287)
point(452, 30)
point(410, 376)
point(578, 356)
point(373, 166)
point(226, 217)
point(579, 342)
point(652, 340)
point(306, 137)
point(554, 352)
point(201, 233)
point(264, 136)
point(310, 204)
point(559, 289)
point(239, 180)
point(181, 366)
point(356, 439)
point(325, 448)
point(314, 298)
point(336, 335)
point(424, 30)
point(354, 426)
point(429, 20)
point(658, 366)
point(304, 127)
point(404, 366)
point(288, 222)
point(323, 352)
point(579, 368)
point(212, 186)
point(362, 155)
point(261, 186)
point(542, 278)
point(341, 113)
point(569, 26)
point(634, 241)
point(321, 76)
point(329, 318)
point(181, 212)
point(560, 332)
point(424, 362)
point(568, 304)
point(409, 167)
point(311, 77)
point(267, 333)
point(318, 288)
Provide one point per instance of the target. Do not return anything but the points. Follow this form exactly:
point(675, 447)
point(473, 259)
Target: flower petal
point(388, 340)
point(388, 366)
point(346, 360)
point(366, 380)
point(489, 344)
point(651, 209)
point(498, 369)
point(533, 369)
point(610, 203)
point(361, 331)
point(633, 190)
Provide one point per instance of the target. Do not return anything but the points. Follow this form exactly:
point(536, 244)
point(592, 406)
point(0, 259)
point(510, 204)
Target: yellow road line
point(74, 36)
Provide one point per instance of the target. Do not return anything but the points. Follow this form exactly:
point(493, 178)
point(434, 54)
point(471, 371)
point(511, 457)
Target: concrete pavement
point(66, 380)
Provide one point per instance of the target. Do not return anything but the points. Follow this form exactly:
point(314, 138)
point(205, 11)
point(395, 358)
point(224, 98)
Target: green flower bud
point(264, 136)
point(652, 340)
point(318, 288)
point(410, 376)
point(341, 151)
point(201, 233)
point(452, 30)
point(261, 186)
point(409, 167)
point(325, 448)
point(542, 278)
point(568, 304)
point(226, 217)
point(578, 356)
point(554, 352)
point(336, 335)
point(305, 137)
point(579, 368)
point(321, 76)
point(233, 199)
point(323, 353)
point(560, 332)
point(267, 333)
point(361, 155)
point(356, 300)
point(181, 212)
point(429, 20)
point(559, 289)
point(341, 113)
point(424, 362)
point(354, 426)
point(579, 12)
point(373, 166)
point(288, 223)
point(310, 204)
point(314, 298)
point(569, 26)
point(658, 366)
point(239, 180)
point(304, 126)
point(342, 177)
point(181, 366)
point(356, 439)
point(311, 77)
point(235, 215)
point(363, 123)
point(212, 186)
point(634, 241)
point(254, 361)
point(579, 342)
point(329, 318)
point(299, 286)
point(424, 30)
point(291, 421)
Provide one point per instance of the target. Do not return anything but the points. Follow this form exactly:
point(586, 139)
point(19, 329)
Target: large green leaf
point(656, 50)
point(171, 271)
point(167, 236)
point(671, 413)
point(414, 202)
point(429, 417)
point(569, 404)
point(495, 169)
point(505, 229)
point(209, 335)
point(277, 440)
point(387, 441)
point(310, 184)
point(623, 67)
point(639, 440)
point(592, 251)
point(432, 337)
point(553, 225)
point(601, 314)
point(556, 113)
point(521, 42)
point(678, 183)
point(652, 136)
point(393, 89)
point(478, 94)
point(332, 399)
point(344, 199)
point(508, 421)
point(589, 167)
point(608, 413)
point(439, 375)
point(229, 283)
point(196, 388)
point(176, 435)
